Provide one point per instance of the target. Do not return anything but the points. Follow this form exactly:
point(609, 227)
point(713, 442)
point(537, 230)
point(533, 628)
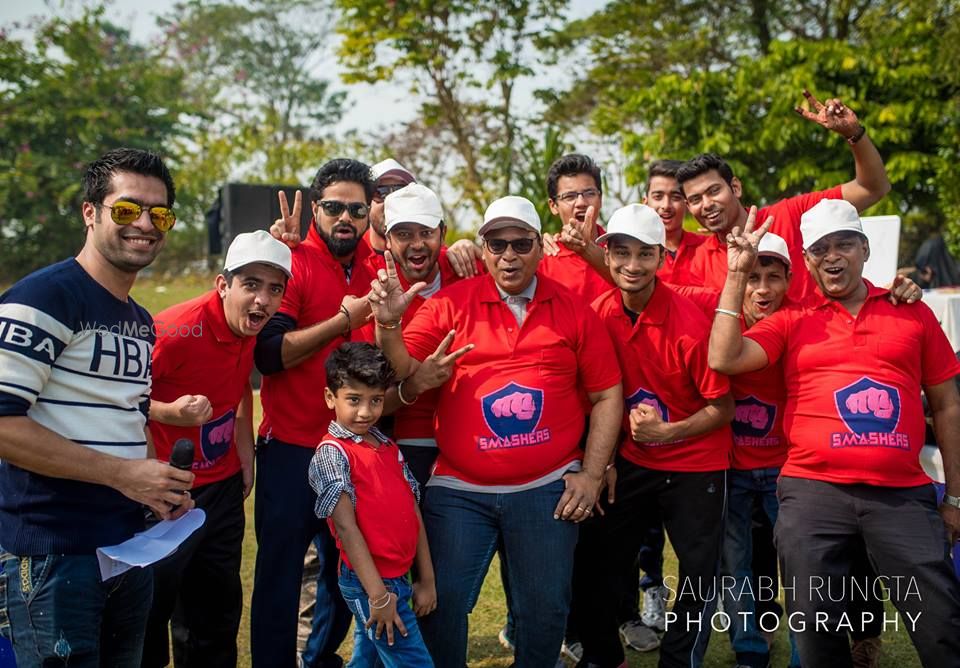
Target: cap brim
point(266, 262)
point(402, 173)
point(773, 254)
point(603, 238)
point(424, 219)
point(501, 223)
point(845, 228)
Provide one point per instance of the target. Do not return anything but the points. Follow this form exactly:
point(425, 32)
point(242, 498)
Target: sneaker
point(866, 653)
point(572, 651)
point(504, 640)
point(638, 636)
point(654, 612)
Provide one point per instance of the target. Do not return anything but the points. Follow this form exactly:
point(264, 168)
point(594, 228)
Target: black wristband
point(856, 136)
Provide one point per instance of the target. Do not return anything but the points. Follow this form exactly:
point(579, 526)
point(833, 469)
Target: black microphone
point(181, 457)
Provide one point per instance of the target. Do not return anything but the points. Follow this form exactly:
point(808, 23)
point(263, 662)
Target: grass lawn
point(488, 617)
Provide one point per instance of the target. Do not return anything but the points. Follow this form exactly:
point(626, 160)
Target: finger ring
point(581, 508)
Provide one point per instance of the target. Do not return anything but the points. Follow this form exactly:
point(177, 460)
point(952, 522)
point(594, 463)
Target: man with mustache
point(323, 303)
point(201, 391)
point(74, 445)
point(713, 195)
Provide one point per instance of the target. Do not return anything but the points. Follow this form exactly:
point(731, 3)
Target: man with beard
point(713, 197)
point(74, 399)
point(201, 391)
point(853, 367)
point(323, 303)
point(672, 464)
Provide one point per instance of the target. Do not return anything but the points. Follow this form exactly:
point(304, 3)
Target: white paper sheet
point(148, 546)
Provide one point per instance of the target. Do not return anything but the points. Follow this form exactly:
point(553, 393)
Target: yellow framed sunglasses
point(123, 213)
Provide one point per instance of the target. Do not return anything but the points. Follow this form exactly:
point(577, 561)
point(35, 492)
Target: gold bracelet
point(346, 313)
point(386, 601)
point(400, 394)
point(383, 325)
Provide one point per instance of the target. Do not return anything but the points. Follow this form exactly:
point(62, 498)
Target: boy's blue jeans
point(368, 652)
point(56, 611)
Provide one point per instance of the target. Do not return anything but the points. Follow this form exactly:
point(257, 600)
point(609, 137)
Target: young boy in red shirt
point(369, 498)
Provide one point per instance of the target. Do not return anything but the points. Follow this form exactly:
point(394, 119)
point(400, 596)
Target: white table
point(945, 304)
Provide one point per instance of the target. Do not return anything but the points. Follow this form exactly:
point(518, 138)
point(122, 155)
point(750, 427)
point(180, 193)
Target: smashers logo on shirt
point(512, 413)
point(753, 421)
point(648, 398)
point(871, 411)
point(215, 439)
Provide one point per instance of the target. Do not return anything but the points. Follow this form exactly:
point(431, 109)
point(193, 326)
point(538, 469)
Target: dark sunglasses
point(520, 246)
point(332, 207)
point(123, 213)
point(380, 192)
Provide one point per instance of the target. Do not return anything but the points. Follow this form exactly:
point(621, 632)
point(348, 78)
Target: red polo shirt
point(511, 412)
point(663, 359)
point(576, 274)
point(853, 412)
point(709, 264)
point(416, 421)
point(294, 410)
point(676, 266)
point(197, 353)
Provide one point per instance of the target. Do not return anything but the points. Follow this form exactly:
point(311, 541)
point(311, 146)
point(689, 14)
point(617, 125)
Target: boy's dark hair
point(571, 165)
point(96, 178)
point(229, 275)
point(360, 363)
point(342, 169)
point(702, 164)
point(767, 260)
point(667, 168)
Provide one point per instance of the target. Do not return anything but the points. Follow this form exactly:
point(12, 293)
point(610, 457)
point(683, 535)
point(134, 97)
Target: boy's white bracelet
point(386, 601)
point(726, 311)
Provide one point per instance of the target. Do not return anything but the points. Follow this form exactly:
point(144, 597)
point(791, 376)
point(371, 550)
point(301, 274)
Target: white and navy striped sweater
point(76, 360)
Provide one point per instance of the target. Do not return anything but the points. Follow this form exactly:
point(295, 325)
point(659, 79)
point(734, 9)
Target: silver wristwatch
point(951, 500)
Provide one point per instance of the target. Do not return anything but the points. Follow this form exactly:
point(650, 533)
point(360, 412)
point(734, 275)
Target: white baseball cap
point(773, 245)
point(259, 247)
point(413, 203)
point(391, 166)
point(510, 211)
point(826, 217)
point(637, 221)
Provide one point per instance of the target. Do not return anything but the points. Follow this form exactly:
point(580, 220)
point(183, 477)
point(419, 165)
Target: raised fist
point(755, 416)
point(519, 405)
point(652, 403)
point(871, 400)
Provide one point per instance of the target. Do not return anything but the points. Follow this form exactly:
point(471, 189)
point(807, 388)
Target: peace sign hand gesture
point(387, 298)
point(286, 228)
point(742, 246)
point(833, 115)
point(437, 368)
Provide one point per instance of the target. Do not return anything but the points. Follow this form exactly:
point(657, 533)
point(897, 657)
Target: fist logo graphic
point(518, 404)
point(872, 400)
point(752, 414)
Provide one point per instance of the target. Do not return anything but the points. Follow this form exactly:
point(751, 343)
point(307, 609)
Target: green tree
point(78, 88)
point(673, 79)
point(463, 59)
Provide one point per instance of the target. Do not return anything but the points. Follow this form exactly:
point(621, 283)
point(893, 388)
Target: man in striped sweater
point(74, 396)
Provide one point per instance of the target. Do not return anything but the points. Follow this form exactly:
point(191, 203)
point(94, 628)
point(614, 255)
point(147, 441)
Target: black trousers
point(197, 589)
point(691, 506)
point(818, 532)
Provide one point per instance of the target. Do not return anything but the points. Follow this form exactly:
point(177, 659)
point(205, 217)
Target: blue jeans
point(368, 652)
point(465, 529)
point(56, 611)
point(744, 488)
point(285, 524)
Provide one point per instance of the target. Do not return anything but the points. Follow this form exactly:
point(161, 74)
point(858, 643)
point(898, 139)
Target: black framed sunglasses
point(333, 207)
point(520, 246)
point(124, 212)
point(380, 192)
